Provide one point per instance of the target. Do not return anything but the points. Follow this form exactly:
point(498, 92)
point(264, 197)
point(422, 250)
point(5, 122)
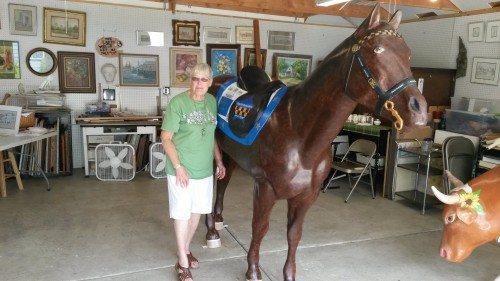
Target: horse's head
point(380, 77)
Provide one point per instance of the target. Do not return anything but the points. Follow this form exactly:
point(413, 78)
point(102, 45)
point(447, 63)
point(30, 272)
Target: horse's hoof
point(219, 225)
point(211, 244)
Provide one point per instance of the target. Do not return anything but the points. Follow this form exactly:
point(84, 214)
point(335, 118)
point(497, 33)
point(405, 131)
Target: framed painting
point(76, 72)
point(64, 27)
point(224, 58)
point(186, 33)
point(23, 20)
point(9, 60)
point(281, 40)
point(476, 31)
point(139, 70)
point(213, 34)
point(493, 31)
point(244, 35)
point(485, 71)
point(182, 60)
point(291, 69)
point(249, 58)
point(150, 38)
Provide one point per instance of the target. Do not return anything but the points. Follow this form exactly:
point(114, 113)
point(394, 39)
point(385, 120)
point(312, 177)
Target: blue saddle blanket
point(228, 95)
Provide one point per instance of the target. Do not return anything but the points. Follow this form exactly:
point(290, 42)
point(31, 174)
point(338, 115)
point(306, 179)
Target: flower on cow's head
point(470, 200)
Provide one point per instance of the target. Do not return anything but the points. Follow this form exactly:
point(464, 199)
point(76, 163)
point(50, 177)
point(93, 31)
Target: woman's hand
point(182, 177)
point(220, 171)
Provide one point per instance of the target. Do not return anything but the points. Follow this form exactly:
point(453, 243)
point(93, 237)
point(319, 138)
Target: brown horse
point(291, 159)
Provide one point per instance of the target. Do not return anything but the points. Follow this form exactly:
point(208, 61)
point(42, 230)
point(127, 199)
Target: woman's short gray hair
point(202, 69)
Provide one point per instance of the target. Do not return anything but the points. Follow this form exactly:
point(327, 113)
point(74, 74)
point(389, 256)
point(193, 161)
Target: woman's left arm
point(221, 170)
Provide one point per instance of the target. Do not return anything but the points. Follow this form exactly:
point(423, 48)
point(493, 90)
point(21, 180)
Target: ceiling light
point(326, 3)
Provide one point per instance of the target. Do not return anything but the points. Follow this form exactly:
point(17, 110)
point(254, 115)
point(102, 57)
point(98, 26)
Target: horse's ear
point(371, 21)
point(396, 19)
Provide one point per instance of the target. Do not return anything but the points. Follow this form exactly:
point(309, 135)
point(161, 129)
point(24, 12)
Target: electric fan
point(157, 160)
point(115, 162)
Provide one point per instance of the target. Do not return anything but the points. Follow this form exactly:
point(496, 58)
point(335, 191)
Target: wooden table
point(7, 142)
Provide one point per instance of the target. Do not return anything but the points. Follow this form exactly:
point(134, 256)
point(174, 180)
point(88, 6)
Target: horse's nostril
point(414, 105)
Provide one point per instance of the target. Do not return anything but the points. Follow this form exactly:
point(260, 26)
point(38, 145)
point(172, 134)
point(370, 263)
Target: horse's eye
point(379, 50)
point(450, 219)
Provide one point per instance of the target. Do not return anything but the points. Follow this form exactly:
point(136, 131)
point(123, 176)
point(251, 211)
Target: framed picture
point(23, 20)
point(182, 60)
point(216, 34)
point(485, 71)
point(9, 60)
point(64, 27)
point(476, 31)
point(244, 35)
point(150, 38)
point(280, 40)
point(493, 31)
point(291, 69)
point(10, 119)
point(139, 70)
point(224, 58)
point(249, 58)
point(76, 72)
point(186, 33)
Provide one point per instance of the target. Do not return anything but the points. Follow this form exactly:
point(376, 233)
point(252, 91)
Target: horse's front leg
point(297, 209)
point(263, 202)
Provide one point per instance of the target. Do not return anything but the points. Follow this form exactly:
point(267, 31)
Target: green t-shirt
point(193, 124)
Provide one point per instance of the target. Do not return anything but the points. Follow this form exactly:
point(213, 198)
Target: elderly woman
point(188, 139)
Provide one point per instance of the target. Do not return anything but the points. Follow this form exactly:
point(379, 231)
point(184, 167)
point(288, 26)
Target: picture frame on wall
point(9, 60)
point(476, 31)
point(281, 40)
point(186, 33)
point(244, 35)
point(485, 71)
point(139, 70)
point(23, 19)
point(150, 38)
point(224, 58)
point(64, 27)
point(291, 69)
point(182, 60)
point(249, 58)
point(213, 34)
point(76, 72)
point(493, 31)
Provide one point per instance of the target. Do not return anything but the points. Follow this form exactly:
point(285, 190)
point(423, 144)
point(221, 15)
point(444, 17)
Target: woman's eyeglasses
point(198, 79)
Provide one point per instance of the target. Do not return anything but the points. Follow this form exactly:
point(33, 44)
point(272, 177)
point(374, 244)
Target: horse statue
point(291, 157)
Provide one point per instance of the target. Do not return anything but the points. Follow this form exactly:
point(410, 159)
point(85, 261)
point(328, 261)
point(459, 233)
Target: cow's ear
point(466, 215)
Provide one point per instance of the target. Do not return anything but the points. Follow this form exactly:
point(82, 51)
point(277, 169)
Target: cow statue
point(471, 215)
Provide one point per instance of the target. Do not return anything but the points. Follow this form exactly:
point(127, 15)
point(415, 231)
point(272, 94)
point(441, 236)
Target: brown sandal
point(183, 273)
point(191, 260)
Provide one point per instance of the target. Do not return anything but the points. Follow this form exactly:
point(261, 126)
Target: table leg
point(3, 188)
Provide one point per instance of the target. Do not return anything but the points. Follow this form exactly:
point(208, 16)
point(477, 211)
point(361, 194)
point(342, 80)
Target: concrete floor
point(85, 229)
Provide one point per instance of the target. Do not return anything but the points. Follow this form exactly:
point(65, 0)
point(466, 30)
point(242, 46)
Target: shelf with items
point(139, 136)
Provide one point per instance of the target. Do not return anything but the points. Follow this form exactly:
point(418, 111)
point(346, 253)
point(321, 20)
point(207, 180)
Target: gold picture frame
point(186, 33)
point(64, 27)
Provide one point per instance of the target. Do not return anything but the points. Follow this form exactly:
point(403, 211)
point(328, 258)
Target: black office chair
point(459, 156)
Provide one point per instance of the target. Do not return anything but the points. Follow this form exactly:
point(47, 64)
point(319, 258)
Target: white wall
point(122, 22)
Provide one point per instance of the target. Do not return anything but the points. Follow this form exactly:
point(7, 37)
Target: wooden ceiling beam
point(428, 4)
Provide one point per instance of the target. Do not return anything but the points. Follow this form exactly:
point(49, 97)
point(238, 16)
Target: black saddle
point(249, 107)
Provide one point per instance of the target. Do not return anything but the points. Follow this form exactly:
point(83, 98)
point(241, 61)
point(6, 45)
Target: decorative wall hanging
point(216, 34)
point(493, 31)
point(186, 33)
point(150, 38)
point(461, 59)
point(249, 58)
point(139, 70)
point(23, 19)
point(244, 35)
point(76, 72)
point(281, 40)
point(182, 60)
point(108, 71)
point(9, 60)
point(224, 58)
point(108, 46)
point(291, 69)
point(64, 27)
point(485, 71)
point(476, 32)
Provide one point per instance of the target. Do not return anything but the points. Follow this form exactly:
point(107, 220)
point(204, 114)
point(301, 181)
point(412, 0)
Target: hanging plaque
point(108, 46)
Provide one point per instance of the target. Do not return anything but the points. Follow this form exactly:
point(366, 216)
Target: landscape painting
point(139, 70)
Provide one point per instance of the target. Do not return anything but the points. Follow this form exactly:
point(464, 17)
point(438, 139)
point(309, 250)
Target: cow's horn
point(456, 182)
point(447, 199)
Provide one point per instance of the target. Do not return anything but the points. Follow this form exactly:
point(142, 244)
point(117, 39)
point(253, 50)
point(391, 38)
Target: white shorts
point(195, 198)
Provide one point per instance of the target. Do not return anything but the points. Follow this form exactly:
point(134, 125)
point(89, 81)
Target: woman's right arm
point(182, 177)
